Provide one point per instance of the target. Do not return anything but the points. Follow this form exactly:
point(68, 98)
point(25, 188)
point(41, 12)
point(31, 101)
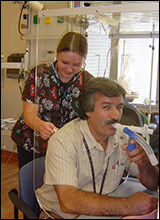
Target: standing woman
point(59, 87)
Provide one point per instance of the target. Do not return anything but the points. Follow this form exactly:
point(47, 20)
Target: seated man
point(81, 156)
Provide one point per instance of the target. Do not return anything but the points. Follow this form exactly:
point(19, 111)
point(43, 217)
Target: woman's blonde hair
point(75, 42)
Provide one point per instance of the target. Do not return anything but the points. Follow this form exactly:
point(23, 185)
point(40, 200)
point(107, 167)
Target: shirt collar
point(91, 141)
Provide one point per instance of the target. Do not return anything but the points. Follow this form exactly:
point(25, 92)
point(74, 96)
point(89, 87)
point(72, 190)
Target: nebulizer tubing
point(122, 184)
point(140, 140)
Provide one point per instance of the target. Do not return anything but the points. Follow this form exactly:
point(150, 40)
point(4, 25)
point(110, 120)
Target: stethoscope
point(64, 92)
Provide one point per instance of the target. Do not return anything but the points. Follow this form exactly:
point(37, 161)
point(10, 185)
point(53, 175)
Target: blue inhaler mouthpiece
point(147, 148)
point(130, 133)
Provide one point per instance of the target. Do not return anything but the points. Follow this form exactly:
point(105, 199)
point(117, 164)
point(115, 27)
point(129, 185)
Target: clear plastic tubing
point(143, 143)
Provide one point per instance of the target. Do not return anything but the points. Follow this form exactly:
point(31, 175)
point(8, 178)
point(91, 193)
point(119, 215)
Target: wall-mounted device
point(35, 5)
point(14, 57)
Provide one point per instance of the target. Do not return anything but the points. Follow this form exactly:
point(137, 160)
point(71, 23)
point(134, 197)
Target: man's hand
point(148, 174)
point(138, 155)
point(142, 203)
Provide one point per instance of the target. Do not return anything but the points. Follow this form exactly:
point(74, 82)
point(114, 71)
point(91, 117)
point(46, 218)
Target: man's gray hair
point(101, 85)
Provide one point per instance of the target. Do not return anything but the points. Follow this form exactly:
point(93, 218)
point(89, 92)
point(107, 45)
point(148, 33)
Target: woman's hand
point(46, 130)
point(30, 112)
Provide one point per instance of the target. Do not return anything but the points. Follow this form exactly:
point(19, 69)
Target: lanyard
point(92, 168)
point(60, 91)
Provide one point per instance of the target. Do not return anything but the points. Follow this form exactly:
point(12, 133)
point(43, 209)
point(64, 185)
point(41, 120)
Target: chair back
point(29, 181)
point(131, 115)
point(154, 139)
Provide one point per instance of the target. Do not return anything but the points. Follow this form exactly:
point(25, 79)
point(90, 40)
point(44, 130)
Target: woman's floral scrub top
point(58, 103)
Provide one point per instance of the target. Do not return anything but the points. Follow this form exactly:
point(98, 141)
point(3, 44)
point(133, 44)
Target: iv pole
point(150, 93)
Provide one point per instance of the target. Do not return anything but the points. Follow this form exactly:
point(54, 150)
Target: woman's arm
point(30, 112)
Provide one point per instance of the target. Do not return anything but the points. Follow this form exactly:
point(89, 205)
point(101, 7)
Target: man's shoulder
point(70, 127)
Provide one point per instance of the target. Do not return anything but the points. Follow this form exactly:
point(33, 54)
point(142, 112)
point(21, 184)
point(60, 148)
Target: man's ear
point(88, 114)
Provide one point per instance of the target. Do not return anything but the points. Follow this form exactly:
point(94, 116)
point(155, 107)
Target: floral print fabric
point(58, 103)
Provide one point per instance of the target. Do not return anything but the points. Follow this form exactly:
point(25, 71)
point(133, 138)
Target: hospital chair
point(131, 115)
point(154, 139)
point(27, 201)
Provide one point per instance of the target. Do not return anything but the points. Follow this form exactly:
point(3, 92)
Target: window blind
point(140, 52)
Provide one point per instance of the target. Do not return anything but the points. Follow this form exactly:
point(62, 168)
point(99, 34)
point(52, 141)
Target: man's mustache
point(111, 121)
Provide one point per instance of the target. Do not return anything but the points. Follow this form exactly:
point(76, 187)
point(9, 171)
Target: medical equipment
point(142, 130)
point(141, 141)
point(35, 5)
point(26, 60)
point(14, 57)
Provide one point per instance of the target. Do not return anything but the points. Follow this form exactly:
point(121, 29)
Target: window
point(139, 51)
point(98, 46)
